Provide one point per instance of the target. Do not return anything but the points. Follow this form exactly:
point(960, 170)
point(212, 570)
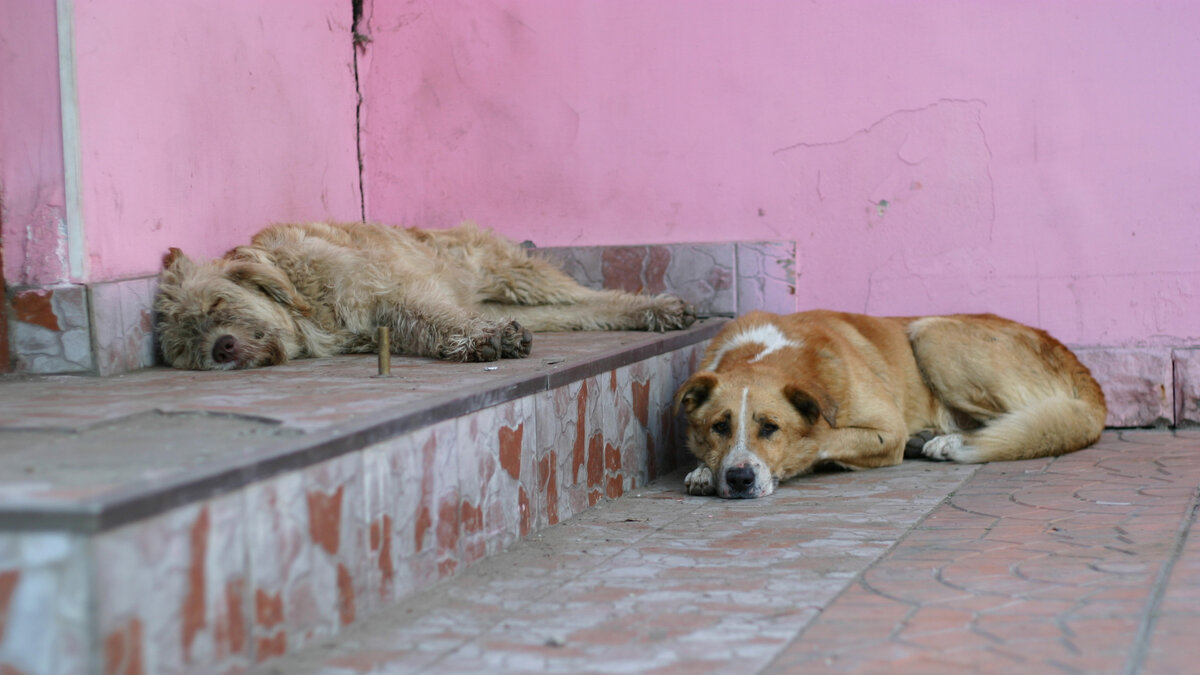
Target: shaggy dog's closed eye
point(461, 294)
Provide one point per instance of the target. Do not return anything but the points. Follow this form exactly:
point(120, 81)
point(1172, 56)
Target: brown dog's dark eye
point(258, 335)
point(216, 303)
point(767, 429)
point(721, 427)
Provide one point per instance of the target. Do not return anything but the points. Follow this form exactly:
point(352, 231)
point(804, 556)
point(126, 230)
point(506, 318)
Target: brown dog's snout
point(740, 479)
point(225, 349)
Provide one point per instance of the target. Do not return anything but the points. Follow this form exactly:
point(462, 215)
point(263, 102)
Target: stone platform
point(169, 521)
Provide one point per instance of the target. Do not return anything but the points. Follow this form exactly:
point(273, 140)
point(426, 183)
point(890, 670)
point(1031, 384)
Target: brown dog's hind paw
point(914, 448)
point(516, 341)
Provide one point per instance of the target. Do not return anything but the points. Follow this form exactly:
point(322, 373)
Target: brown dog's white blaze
point(748, 438)
point(742, 474)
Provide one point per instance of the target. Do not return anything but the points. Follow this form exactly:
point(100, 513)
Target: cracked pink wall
point(31, 154)
point(200, 121)
point(1032, 159)
point(230, 115)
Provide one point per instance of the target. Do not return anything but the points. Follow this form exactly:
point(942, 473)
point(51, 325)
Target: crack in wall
point(876, 123)
point(359, 41)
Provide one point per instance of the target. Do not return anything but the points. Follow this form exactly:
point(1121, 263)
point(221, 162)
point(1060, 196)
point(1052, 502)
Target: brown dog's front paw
point(516, 341)
point(700, 481)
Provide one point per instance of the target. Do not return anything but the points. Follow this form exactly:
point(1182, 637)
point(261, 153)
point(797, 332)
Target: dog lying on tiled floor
point(777, 396)
point(461, 294)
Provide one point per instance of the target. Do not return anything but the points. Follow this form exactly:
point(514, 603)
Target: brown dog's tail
point(1026, 392)
point(1044, 428)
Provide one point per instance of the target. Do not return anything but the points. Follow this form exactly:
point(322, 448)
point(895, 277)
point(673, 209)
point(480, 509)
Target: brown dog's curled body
point(462, 294)
point(776, 396)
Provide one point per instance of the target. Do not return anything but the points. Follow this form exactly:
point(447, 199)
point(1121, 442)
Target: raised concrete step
point(167, 521)
point(1087, 563)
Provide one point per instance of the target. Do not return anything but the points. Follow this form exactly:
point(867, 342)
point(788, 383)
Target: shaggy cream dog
point(461, 294)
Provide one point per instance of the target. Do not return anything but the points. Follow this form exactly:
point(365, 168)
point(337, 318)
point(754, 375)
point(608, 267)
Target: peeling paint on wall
point(904, 166)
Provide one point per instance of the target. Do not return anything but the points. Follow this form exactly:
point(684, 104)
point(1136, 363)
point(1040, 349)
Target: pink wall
point(1032, 159)
point(200, 121)
point(230, 115)
point(31, 151)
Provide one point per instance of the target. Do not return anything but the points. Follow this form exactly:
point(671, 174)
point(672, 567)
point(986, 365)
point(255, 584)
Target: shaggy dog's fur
point(776, 396)
point(462, 294)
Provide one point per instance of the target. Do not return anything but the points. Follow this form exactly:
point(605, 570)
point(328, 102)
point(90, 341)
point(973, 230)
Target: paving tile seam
point(490, 630)
point(1141, 642)
point(860, 577)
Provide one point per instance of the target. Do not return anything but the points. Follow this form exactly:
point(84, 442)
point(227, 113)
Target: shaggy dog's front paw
point(700, 481)
point(516, 341)
point(670, 313)
point(478, 347)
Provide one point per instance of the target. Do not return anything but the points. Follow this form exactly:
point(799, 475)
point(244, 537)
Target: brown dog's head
point(753, 428)
point(235, 312)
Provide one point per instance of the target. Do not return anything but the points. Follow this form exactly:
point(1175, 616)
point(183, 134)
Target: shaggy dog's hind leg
point(601, 310)
point(445, 332)
point(515, 280)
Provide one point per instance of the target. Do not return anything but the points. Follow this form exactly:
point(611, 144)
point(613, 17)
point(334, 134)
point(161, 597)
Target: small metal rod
point(385, 351)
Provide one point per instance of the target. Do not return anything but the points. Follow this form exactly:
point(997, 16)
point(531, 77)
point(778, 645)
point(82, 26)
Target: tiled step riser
point(236, 579)
point(45, 608)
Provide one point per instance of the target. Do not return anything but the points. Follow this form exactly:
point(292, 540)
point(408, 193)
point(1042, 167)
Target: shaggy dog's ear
point(269, 280)
point(812, 401)
point(695, 391)
point(176, 268)
point(172, 257)
point(175, 261)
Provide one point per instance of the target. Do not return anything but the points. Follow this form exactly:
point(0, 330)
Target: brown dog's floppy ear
point(812, 401)
point(693, 393)
point(269, 280)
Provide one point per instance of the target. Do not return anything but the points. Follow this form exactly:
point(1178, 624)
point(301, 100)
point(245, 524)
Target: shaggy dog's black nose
point(740, 479)
point(225, 349)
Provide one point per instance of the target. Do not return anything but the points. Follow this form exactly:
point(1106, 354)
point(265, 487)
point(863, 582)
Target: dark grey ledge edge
point(144, 499)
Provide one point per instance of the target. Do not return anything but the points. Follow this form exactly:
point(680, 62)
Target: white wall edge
point(69, 101)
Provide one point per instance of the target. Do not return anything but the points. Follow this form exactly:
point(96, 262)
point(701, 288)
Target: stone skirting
point(720, 279)
point(100, 329)
point(1147, 386)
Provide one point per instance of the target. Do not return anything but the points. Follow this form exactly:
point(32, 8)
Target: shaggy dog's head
point(752, 428)
point(234, 312)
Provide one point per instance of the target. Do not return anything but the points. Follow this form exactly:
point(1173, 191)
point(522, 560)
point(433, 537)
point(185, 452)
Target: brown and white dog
point(461, 294)
point(777, 396)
